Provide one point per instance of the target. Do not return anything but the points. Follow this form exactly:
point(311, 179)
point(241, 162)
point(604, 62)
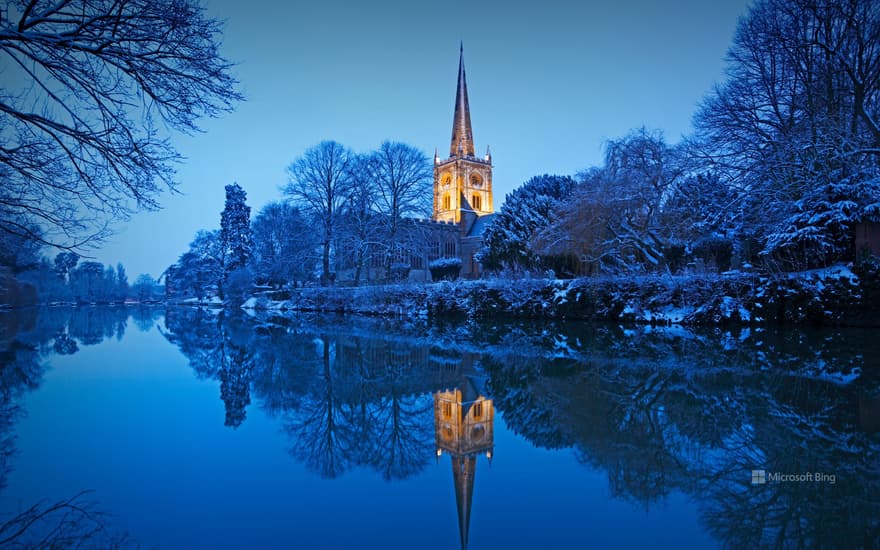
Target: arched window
point(475, 202)
point(447, 202)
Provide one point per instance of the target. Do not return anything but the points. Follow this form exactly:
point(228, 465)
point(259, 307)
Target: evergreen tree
point(526, 211)
point(235, 231)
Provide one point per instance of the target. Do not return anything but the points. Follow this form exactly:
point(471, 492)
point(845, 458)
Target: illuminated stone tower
point(463, 429)
point(462, 182)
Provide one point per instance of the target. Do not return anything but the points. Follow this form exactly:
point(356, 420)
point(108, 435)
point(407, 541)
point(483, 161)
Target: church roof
point(462, 135)
point(480, 225)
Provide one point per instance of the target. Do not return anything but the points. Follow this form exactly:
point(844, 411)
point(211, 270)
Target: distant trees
point(66, 279)
point(320, 183)
point(145, 288)
point(84, 82)
point(361, 203)
point(65, 262)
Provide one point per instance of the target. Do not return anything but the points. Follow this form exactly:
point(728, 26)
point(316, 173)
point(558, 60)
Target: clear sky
point(549, 83)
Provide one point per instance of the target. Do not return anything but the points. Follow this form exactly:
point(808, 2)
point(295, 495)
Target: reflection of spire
point(463, 427)
point(464, 468)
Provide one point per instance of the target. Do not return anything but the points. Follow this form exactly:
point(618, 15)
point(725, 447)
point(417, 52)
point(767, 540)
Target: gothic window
point(447, 409)
point(475, 180)
point(449, 250)
point(435, 250)
point(475, 202)
point(446, 179)
point(478, 410)
point(447, 202)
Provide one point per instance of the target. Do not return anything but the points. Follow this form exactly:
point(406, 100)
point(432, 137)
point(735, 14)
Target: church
point(462, 187)
point(462, 206)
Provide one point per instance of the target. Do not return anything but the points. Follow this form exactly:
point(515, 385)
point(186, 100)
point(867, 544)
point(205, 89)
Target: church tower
point(462, 182)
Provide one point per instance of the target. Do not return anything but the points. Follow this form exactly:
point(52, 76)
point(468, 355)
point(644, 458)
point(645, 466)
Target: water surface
point(198, 428)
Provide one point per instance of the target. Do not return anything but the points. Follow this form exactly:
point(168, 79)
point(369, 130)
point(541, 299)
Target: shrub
point(445, 269)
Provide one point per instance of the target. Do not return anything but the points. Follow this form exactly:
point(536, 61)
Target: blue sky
point(549, 83)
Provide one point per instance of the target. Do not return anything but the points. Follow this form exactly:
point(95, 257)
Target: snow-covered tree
point(236, 240)
point(198, 271)
point(526, 211)
point(615, 218)
point(795, 130)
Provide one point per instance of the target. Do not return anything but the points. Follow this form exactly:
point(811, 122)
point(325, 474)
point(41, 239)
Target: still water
point(195, 428)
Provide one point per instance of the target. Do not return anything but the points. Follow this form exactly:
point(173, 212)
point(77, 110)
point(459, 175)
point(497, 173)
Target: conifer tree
point(235, 231)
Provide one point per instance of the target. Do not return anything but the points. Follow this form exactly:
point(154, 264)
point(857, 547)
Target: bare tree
point(84, 84)
point(362, 227)
point(284, 245)
point(402, 175)
point(320, 182)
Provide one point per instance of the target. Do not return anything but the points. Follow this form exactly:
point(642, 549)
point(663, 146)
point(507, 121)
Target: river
point(198, 428)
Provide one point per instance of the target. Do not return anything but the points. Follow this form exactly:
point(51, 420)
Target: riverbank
point(830, 297)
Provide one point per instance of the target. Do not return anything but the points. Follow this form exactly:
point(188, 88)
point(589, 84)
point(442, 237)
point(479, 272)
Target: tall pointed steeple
point(462, 135)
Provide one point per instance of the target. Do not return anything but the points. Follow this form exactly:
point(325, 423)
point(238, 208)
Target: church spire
point(462, 135)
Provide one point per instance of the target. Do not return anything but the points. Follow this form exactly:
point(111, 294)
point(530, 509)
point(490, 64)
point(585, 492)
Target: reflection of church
point(463, 429)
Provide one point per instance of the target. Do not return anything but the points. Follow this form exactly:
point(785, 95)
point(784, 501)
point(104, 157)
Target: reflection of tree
point(235, 384)
point(345, 400)
point(362, 412)
point(217, 347)
point(665, 414)
point(70, 523)
point(145, 317)
point(659, 411)
point(322, 440)
point(20, 370)
point(91, 325)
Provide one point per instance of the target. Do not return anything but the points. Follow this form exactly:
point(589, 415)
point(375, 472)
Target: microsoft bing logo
point(759, 477)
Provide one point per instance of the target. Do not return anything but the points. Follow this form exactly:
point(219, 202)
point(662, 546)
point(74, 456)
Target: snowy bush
point(445, 269)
